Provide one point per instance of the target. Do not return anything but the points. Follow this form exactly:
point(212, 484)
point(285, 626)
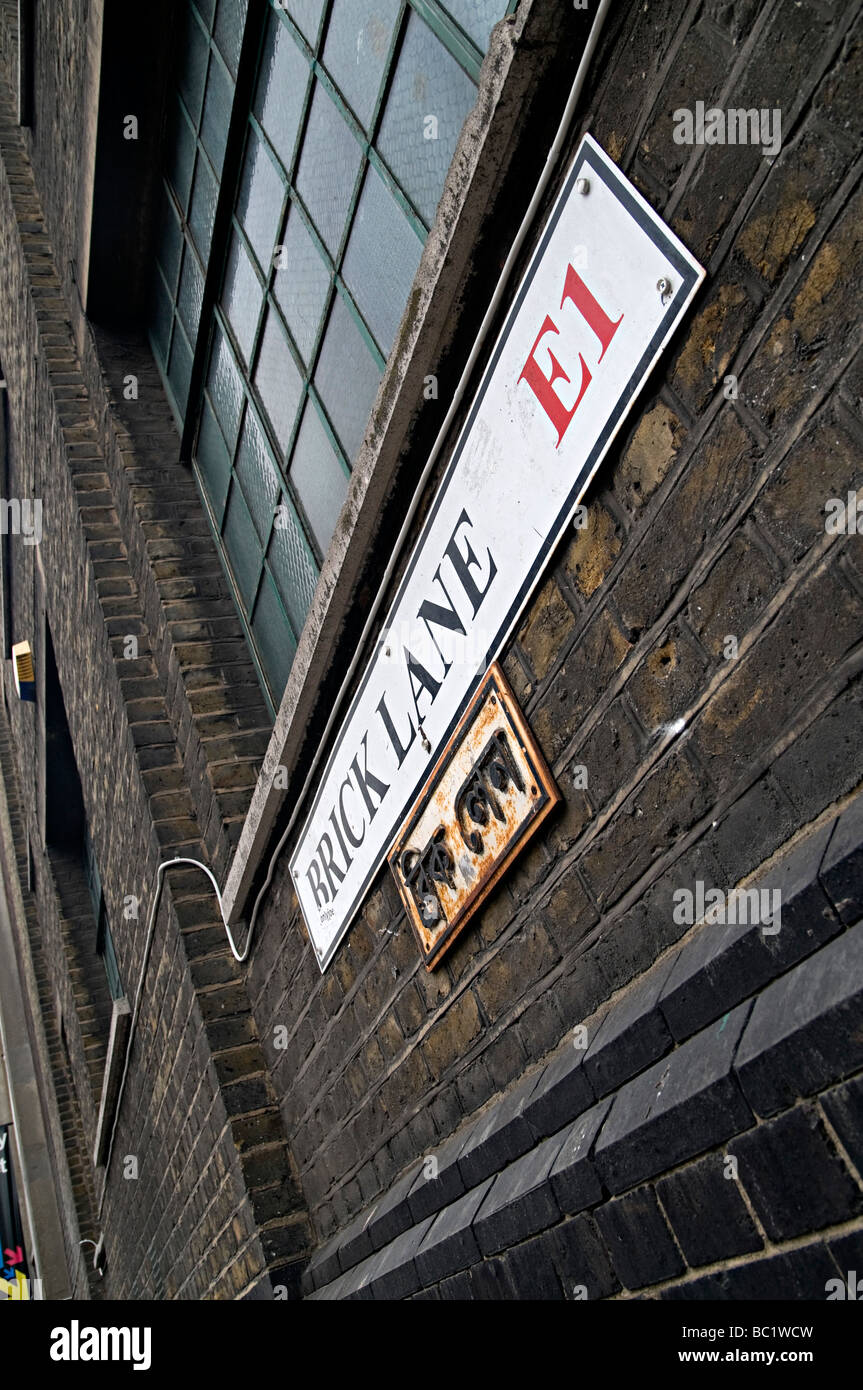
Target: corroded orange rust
point(435, 817)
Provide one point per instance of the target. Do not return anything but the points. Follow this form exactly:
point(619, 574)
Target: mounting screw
point(582, 186)
point(664, 287)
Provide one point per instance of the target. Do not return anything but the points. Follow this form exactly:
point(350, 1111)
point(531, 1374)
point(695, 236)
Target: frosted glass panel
point(273, 637)
point(191, 294)
point(256, 473)
point(262, 195)
point(428, 82)
point(346, 362)
point(180, 368)
point(294, 569)
point(230, 19)
point(203, 210)
point(225, 387)
point(162, 317)
point(217, 114)
point(318, 477)
point(278, 380)
point(242, 296)
point(206, 9)
point(358, 41)
point(307, 14)
point(170, 243)
point(193, 72)
point(381, 260)
point(477, 17)
point(181, 161)
point(282, 86)
point(242, 546)
point(213, 462)
point(329, 164)
point(300, 283)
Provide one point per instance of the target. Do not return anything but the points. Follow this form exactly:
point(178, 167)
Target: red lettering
point(576, 290)
point(542, 386)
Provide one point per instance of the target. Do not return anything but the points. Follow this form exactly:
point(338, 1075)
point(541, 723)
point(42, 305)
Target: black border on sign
point(591, 155)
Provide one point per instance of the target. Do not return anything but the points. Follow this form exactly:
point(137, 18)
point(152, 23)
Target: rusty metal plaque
point(488, 794)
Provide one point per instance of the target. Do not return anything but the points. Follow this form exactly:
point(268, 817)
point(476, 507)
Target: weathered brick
point(593, 552)
point(550, 623)
point(524, 958)
point(707, 1214)
point(766, 684)
point(641, 1246)
point(667, 680)
point(789, 362)
point(579, 683)
point(708, 489)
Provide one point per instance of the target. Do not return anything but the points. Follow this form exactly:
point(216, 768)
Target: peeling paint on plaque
point(488, 794)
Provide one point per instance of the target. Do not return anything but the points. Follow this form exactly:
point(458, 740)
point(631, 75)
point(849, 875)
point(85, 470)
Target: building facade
point(254, 259)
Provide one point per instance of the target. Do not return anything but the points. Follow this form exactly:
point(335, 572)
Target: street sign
point(605, 289)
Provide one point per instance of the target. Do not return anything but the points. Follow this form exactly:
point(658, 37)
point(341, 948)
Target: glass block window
point(108, 955)
point(350, 129)
point(104, 940)
point(199, 112)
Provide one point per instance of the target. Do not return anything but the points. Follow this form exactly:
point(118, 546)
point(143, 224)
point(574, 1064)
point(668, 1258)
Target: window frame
point(244, 125)
point(484, 198)
point(105, 948)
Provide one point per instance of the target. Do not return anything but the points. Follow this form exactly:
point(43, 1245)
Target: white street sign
point(604, 291)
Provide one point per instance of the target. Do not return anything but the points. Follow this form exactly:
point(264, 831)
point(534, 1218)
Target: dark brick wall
point(213, 1209)
point(706, 520)
point(61, 1111)
point(698, 1139)
point(63, 124)
point(217, 717)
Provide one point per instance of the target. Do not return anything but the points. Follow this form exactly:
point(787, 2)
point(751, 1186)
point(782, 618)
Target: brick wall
point(707, 520)
point(70, 1162)
point(698, 1138)
point(210, 1206)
